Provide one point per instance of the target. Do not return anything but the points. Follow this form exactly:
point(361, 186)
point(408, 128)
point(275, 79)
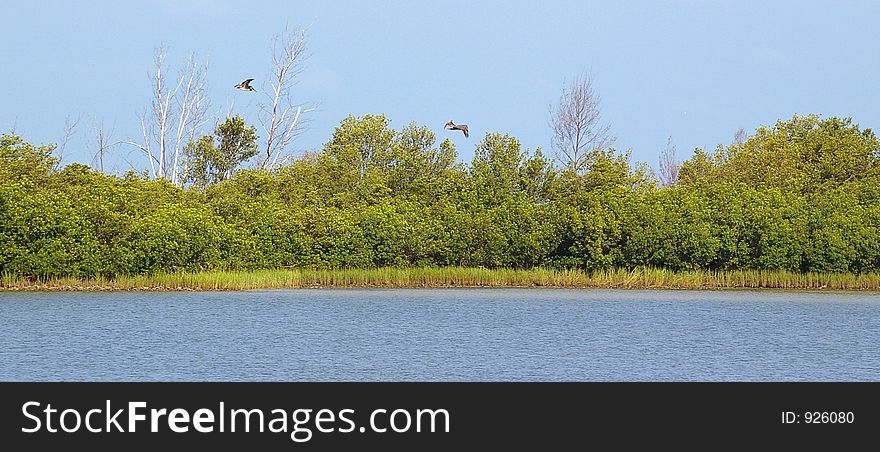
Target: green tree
point(414, 165)
point(19, 159)
point(501, 169)
point(214, 158)
point(351, 163)
point(805, 154)
point(801, 196)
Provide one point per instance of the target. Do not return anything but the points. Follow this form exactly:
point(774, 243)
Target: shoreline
point(453, 277)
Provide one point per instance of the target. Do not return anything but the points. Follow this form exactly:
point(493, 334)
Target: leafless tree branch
point(103, 143)
point(281, 118)
point(191, 108)
point(70, 126)
point(176, 114)
point(576, 124)
point(740, 137)
point(669, 165)
point(145, 145)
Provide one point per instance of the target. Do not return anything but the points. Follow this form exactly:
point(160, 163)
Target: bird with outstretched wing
point(452, 126)
point(246, 85)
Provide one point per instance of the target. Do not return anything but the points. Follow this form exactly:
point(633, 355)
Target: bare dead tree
point(740, 137)
point(576, 124)
point(669, 165)
point(154, 122)
point(175, 115)
point(102, 138)
point(145, 146)
point(192, 108)
point(282, 118)
point(161, 109)
point(103, 142)
point(70, 125)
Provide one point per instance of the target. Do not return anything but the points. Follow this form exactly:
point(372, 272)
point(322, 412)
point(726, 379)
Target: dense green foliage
point(801, 196)
point(213, 158)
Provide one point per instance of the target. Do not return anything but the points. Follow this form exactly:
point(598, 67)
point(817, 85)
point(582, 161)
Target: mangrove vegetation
point(797, 202)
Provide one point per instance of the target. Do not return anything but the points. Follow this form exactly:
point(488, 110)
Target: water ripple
point(440, 335)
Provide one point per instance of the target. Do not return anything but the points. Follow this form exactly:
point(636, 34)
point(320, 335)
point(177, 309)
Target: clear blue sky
point(696, 70)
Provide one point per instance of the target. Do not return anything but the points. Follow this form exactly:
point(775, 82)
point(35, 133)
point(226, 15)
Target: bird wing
point(247, 81)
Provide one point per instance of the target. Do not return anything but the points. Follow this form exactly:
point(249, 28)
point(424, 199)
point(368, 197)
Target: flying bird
point(246, 85)
point(452, 126)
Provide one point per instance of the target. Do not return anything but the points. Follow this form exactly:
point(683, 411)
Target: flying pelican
point(452, 126)
point(246, 85)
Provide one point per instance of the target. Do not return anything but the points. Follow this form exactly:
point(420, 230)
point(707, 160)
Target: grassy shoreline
point(643, 278)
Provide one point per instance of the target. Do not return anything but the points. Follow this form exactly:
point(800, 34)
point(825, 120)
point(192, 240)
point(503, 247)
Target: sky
point(693, 70)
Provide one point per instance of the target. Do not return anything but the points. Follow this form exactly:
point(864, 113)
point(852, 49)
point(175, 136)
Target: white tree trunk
point(282, 121)
point(174, 119)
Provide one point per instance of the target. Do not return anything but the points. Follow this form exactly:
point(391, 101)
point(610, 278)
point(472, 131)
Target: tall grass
point(640, 278)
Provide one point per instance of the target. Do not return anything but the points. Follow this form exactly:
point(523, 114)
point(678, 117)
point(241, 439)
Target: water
point(440, 335)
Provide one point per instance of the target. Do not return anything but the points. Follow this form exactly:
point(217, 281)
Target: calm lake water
point(445, 335)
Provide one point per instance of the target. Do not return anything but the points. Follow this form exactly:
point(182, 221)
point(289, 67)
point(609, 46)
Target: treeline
point(803, 195)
